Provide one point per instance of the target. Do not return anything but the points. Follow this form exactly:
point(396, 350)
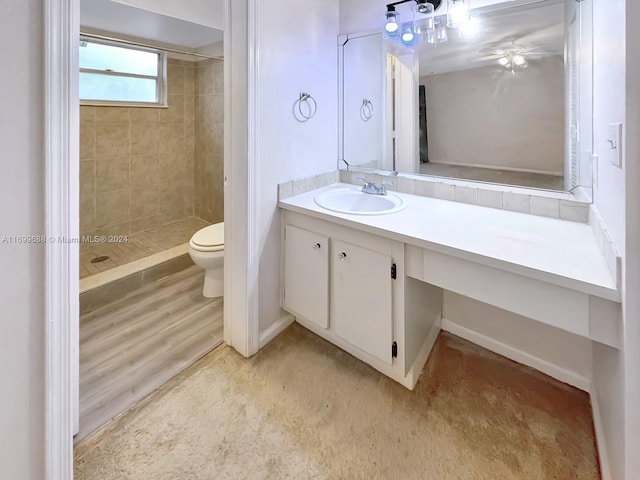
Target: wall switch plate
point(614, 141)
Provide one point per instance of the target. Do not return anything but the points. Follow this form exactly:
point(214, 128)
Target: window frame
point(161, 78)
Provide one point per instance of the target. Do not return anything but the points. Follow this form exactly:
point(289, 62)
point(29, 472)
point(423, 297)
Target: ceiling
point(133, 21)
point(538, 26)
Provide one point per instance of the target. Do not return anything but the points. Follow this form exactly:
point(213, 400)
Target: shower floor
point(137, 245)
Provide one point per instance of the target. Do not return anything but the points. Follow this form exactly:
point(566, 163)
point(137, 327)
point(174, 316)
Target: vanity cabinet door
point(306, 275)
point(361, 293)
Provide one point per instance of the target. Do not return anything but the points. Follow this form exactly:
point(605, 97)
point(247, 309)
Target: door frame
point(241, 265)
point(61, 20)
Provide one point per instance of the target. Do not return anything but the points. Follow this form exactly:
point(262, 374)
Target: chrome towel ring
point(366, 110)
point(306, 107)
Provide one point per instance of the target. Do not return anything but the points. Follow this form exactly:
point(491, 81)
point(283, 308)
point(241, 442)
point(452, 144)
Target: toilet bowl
point(206, 249)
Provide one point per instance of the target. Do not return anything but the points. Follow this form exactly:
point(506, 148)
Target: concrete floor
point(304, 409)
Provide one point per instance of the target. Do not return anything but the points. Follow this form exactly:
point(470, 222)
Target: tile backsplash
point(542, 205)
point(306, 184)
point(607, 246)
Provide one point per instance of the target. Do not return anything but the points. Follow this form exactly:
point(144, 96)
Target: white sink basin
point(348, 200)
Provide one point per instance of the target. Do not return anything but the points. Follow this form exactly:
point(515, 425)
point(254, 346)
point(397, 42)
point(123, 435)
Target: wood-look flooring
point(132, 345)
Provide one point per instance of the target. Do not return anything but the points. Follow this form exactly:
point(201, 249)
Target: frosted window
point(117, 89)
point(121, 74)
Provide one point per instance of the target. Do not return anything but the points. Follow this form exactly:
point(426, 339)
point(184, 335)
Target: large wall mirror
point(508, 101)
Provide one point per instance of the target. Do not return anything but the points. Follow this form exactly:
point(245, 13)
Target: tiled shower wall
point(209, 158)
point(137, 165)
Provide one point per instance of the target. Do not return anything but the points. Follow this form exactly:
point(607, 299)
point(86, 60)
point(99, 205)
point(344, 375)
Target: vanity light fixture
point(423, 8)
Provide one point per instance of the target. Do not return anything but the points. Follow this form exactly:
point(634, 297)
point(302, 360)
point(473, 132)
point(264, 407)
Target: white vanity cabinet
point(361, 291)
point(306, 275)
point(349, 286)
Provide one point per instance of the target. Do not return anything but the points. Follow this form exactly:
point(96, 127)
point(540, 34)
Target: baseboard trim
point(517, 355)
point(274, 330)
point(603, 453)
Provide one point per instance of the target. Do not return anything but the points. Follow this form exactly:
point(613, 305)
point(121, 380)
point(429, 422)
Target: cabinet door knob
point(317, 246)
point(342, 256)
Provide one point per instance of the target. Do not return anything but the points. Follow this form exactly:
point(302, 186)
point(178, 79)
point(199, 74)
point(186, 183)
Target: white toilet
point(206, 249)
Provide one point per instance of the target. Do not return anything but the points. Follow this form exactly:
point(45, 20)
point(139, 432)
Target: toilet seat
point(209, 239)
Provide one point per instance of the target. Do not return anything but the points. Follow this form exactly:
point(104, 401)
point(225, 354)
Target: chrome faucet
point(372, 189)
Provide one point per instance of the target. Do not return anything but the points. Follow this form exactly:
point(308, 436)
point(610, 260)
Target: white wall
point(22, 285)
point(203, 12)
point(491, 118)
point(297, 52)
point(632, 232)
point(609, 200)
point(560, 354)
point(609, 107)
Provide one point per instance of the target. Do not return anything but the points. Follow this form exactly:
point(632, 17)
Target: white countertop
point(556, 251)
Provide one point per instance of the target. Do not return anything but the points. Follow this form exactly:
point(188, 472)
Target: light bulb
point(519, 60)
point(458, 13)
point(391, 27)
point(407, 36)
point(503, 61)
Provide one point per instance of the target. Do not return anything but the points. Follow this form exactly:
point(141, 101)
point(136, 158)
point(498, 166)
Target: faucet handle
point(383, 188)
point(366, 185)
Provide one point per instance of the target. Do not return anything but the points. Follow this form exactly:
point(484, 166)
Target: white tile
point(390, 184)
point(406, 185)
point(332, 177)
point(466, 194)
point(345, 176)
point(285, 190)
point(515, 202)
point(371, 177)
point(298, 186)
point(310, 183)
point(598, 229)
point(444, 191)
point(574, 211)
point(323, 180)
point(489, 198)
point(425, 188)
point(545, 207)
point(612, 257)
